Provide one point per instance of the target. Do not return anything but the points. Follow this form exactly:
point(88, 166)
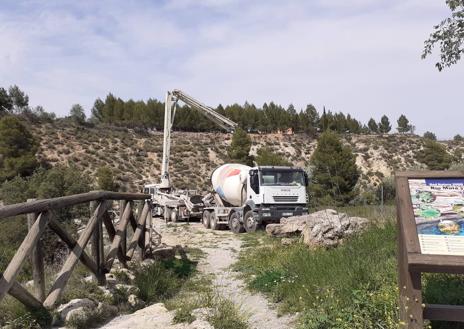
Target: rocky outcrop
point(325, 228)
point(156, 316)
point(76, 308)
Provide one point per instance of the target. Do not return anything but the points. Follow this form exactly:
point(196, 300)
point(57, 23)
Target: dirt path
point(222, 249)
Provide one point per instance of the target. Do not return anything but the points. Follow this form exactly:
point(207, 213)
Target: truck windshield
point(270, 177)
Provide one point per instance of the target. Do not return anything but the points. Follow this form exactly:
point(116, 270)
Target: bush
point(434, 156)
point(105, 179)
point(162, 280)
point(17, 149)
point(266, 157)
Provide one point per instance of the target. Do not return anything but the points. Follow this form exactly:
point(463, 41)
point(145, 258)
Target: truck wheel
point(167, 214)
point(206, 219)
point(234, 223)
point(174, 215)
point(213, 220)
point(250, 222)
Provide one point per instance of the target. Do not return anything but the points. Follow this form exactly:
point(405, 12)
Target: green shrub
point(434, 156)
point(162, 280)
point(17, 148)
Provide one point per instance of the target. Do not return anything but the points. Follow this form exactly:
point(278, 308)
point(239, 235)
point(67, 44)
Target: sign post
point(430, 213)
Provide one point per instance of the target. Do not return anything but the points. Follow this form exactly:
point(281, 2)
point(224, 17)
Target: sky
point(355, 56)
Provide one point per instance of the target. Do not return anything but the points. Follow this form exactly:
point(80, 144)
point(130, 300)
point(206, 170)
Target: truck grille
point(285, 198)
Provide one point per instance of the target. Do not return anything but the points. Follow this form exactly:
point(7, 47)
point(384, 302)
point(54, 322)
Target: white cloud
point(360, 56)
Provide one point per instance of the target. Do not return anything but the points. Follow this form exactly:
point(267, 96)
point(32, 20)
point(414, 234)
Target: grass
point(198, 292)
point(352, 286)
point(163, 279)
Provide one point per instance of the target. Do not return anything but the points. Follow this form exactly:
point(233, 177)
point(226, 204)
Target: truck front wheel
point(250, 222)
point(234, 223)
point(213, 221)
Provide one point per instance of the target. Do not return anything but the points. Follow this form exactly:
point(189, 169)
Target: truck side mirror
point(254, 181)
point(306, 179)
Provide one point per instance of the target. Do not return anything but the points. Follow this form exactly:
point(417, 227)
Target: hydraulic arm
point(172, 97)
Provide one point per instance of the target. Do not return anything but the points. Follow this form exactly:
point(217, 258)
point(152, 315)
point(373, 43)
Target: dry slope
point(135, 156)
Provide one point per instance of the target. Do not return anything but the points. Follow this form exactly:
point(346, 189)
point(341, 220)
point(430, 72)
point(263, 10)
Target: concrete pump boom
point(172, 97)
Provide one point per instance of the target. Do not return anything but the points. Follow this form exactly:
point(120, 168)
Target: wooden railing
point(40, 216)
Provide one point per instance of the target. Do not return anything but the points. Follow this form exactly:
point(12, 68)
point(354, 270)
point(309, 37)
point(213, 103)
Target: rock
point(287, 241)
point(328, 228)
point(147, 262)
point(134, 301)
point(107, 292)
point(111, 279)
point(164, 253)
point(325, 228)
point(155, 316)
point(75, 307)
point(89, 278)
point(107, 311)
point(123, 271)
point(202, 313)
point(128, 288)
point(288, 226)
point(200, 324)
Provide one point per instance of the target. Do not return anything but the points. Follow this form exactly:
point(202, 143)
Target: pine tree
point(77, 114)
point(430, 135)
point(373, 127)
point(334, 171)
point(239, 149)
point(384, 125)
point(403, 124)
point(6, 103)
point(18, 98)
point(17, 149)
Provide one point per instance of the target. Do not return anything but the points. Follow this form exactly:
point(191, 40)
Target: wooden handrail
point(66, 201)
point(41, 215)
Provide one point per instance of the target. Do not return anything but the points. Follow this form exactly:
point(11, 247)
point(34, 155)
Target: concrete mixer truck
point(246, 197)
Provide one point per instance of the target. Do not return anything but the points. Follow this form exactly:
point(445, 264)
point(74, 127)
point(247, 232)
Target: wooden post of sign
point(411, 261)
point(409, 282)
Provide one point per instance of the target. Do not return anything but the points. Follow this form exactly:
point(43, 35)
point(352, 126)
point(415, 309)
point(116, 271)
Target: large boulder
point(325, 228)
point(328, 228)
point(76, 308)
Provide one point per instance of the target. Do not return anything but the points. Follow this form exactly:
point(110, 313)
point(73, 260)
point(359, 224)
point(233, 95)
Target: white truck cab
point(267, 194)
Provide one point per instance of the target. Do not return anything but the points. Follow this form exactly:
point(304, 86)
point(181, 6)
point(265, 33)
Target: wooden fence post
point(122, 206)
point(148, 231)
point(97, 246)
point(38, 273)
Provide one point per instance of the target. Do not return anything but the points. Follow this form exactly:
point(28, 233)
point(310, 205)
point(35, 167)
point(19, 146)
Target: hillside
point(135, 156)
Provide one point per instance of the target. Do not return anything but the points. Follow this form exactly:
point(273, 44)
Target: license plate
point(287, 214)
